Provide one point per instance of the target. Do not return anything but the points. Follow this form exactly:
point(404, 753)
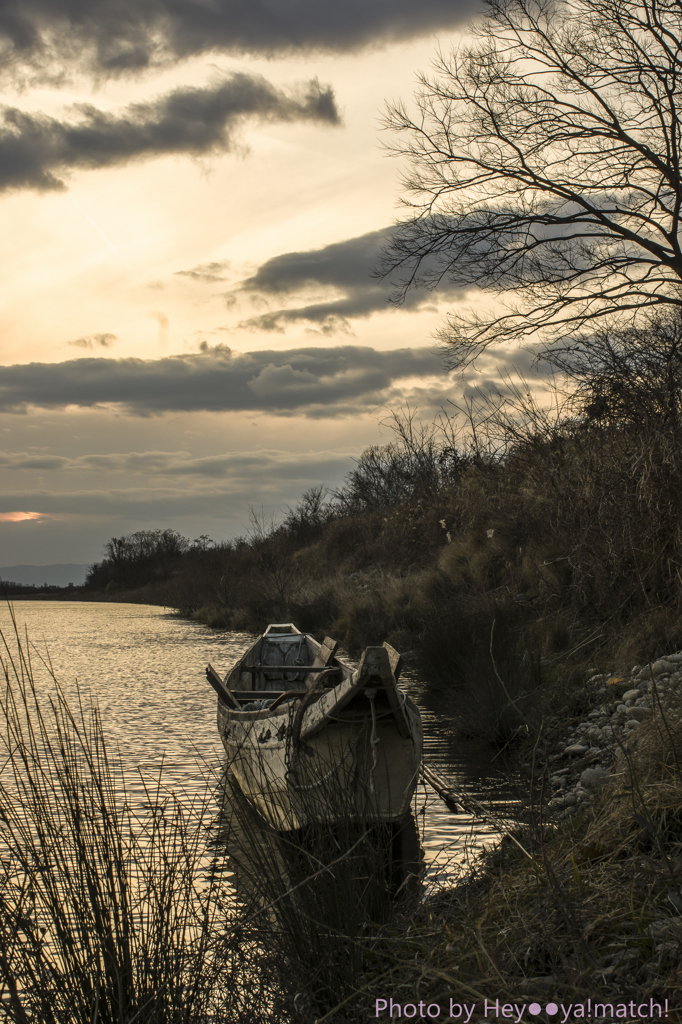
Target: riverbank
point(536, 543)
point(584, 905)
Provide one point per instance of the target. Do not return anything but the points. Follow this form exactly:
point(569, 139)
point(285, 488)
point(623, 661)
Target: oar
point(455, 801)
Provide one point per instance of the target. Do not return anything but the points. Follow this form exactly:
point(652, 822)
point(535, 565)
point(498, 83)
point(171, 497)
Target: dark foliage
point(133, 560)
point(554, 521)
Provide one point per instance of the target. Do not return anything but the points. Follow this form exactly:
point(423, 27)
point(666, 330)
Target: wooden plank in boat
point(395, 698)
point(259, 694)
point(221, 688)
point(374, 663)
point(327, 651)
point(395, 660)
point(293, 669)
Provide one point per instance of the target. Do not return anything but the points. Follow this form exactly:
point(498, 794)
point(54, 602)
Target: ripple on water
point(144, 667)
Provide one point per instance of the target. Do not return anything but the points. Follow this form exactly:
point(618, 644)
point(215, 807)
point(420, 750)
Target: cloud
point(47, 36)
point(316, 381)
point(36, 463)
point(233, 466)
point(222, 486)
point(346, 267)
point(36, 149)
point(103, 340)
point(206, 272)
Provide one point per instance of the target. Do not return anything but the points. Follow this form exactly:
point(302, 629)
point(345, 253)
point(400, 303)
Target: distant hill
point(55, 575)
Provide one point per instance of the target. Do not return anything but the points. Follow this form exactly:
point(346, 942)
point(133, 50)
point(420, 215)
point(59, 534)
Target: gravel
point(617, 703)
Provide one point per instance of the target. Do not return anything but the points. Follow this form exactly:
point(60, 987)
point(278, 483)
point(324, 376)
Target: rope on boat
point(374, 738)
point(455, 800)
point(374, 743)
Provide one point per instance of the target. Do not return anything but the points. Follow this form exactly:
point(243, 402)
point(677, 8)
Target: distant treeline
point(141, 558)
point(533, 535)
point(10, 589)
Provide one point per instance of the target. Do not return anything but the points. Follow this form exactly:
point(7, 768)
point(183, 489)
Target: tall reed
point(118, 910)
point(109, 911)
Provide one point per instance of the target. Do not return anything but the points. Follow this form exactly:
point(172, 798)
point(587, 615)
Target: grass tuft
point(110, 911)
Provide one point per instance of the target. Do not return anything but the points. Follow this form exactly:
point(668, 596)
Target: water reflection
point(145, 669)
point(381, 857)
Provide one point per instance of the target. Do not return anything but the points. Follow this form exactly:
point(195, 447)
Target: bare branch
point(545, 170)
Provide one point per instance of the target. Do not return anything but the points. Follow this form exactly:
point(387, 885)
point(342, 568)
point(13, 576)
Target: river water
point(144, 667)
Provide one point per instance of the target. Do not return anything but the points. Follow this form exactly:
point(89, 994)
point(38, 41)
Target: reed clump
point(113, 910)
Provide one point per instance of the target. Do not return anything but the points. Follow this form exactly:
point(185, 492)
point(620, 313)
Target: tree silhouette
point(545, 170)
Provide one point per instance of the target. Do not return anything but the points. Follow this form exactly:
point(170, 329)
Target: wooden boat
point(309, 739)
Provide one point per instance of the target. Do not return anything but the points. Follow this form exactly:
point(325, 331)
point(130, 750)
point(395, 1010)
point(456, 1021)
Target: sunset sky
point(193, 196)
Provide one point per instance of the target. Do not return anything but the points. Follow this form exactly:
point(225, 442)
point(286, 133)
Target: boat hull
point(347, 770)
point(342, 745)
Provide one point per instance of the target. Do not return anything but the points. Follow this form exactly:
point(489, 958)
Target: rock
point(631, 695)
point(593, 777)
point(638, 714)
point(658, 668)
point(559, 802)
point(576, 748)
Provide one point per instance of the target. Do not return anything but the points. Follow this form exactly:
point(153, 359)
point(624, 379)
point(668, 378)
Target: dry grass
point(595, 913)
point(111, 912)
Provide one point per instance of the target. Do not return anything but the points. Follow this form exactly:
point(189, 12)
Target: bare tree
point(278, 573)
point(545, 170)
point(630, 376)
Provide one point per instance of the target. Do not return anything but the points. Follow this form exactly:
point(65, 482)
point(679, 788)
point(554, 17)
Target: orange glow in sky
point(18, 517)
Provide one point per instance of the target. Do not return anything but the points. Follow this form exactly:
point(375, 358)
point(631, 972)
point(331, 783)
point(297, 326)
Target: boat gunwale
point(257, 742)
point(353, 685)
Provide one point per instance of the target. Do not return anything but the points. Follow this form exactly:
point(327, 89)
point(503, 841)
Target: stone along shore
point(580, 759)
